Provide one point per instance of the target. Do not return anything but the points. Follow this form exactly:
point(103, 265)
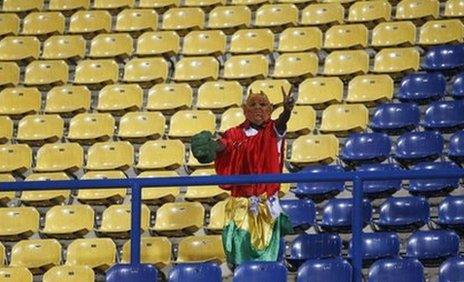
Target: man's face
point(257, 109)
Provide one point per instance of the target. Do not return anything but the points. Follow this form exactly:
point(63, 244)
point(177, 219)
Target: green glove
point(204, 147)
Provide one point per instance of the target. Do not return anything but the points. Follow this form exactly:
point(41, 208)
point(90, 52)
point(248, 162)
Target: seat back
point(394, 34)
point(153, 250)
point(36, 254)
point(431, 245)
point(314, 246)
point(161, 154)
point(396, 270)
point(404, 211)
point(366, 147)
point(205, 271)
point(260, 271)
point(330, 270)
point(395, 118)
point(422, 87)
point(450, 211)
point(95, 253)
point(302, 213)
point(452, 270)
point(444, 57)
point(410, 146)
point(201, 249)
point(444, 115)
point(59, 157)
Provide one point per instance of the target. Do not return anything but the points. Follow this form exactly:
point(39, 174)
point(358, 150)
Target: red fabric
point(250, 155)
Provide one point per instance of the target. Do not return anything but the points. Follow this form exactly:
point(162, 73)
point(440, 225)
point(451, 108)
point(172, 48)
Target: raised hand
point(289, 101)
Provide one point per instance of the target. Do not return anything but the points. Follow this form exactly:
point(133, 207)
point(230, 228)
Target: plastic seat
point(314, 246)
point(77, 273)
point(433, 187)
point(229, 18)
point(102, 196)
point(366, 12)
point(246, 68)
point(90, 128)
point(46, 74)
point(178, 219)
point(457, 86)
point(302, 121)
point(161, 154)
point(9, 74)
point(67, 157)
point(346, 36)
point(165, 43)
point(451, 270)
point(231, 118)
point(111, 45)
point(333, 269)
point(392, 34)
point(344, 63)
point(119, 98)
point(43, 23)
point(310, 149)
point(450, 213)
point(6, 197)
point(444, 57)
point(395, 118)
point(339, 119)
point(110, 155)
point(195, 70)
point(204, 271)
point(136, 20)
point(252, 3)
point(159, 195)
point(394, 60)
point(456, 147)
point(67, 100)
point(417, 9)
point(323, 14)
point(170, 97)
point(302, 213)
point(15, 158)
point(19, 48)
point(319, 191)
point(370, 89)
point(205, 4)
point(183, 20)
point(37, 255)
point(219, 95)
point(445, 116)
point(45, 198)
point(276, 16)
point(205, 194)
point(113, 4)
point(432, 247)
point(422, 87)
point(18, 6)
point(380, 188)
point(141, 126)
point(9, 24)
point(6, 129)
point(146, 71)
point(155, 4)
point(153, 250)
point(116, 221)
point(90, 22)
point(320, 91)
point(337, 215)
point(296, 66)
point(403, 214)
point(272, 88)
point(186, 123)
point(15, 274)
point(377, 246)
point(18, 223)
point(67, 6)
point(199, 43)
point(454, 9)
point(441, 32)
point(396, 270)
point(410, 147)
point(300, 39)
point(207, 248)
point(250, 41)
point(260, 271)
point(37, 129)
point(96, 253)
point(366, 148)
point(64, 47)
point(96, 72)
point(217, 218)
point(68, 222)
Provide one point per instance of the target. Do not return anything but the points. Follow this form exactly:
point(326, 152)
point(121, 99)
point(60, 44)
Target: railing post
point(136, 200)
point(356, 228)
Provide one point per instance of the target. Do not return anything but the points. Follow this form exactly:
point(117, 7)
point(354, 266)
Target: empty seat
point(15, 274)
point(96, 72)
point(205, 194)
point(178, 219)
point(43, 23)
point(161, 154)
point(136, 20)
point(272, 88)
point(146, 70)
point(445, 116)
point(332, 269)
point(261, 271)
point(9, 24)
point(373, 11)
point(366, 148)
point(433, 187)
point(229, 18)
point(318, 191)
point(296, 66)
point(170, 97)
point(422, 87)
point(90, 22)
point(337, 215)
point(300, 39)
point(15, 158)
point(18, 6)
point(380, 188)
point(450, 213)
point(342, 63)
point(441, 32)
point(155, 4)
point(370, 89)
point(276, 16)
point(417, 9)
point(252, 3)
point(67, 100)
point(114, 4)
point(201, 249)
point(395, 118)
point(410, 147)
point(119, 98)
point(196, 69)
point(96, 253)
point(391, 34)
point(320, 91)
point(403, 214)
point(219, 95)
point(217, 218)
point(185, 124)
point(111, 45)
point(67, 6)
point(158, 43)
point(444, 57)
point(46, 73)
point(396, 270)
point(37, 255)
point(432, 247)
point(302, 120)
point(231, 118)
point(159, 195)
point(456, 147)
point(454, 9)
point(153, 250)
point(116, 221)
point(89, 128)
point(183, 20)
point(451, 270)
point(6, 129)
point(314, 246)
point(346, 36)
point(314, 149)
point(140, 126)
point(9, 74)
point(68, 222)
point(18, 223)
point(198, 43)
point(208, 4)
point(302, 213)
point(37, 129)
point(76, 273)
point(323, 14)
point(67, 157)
point(457, 86)
point(45, 198)
point(110, 155)
point(339, 119)
point(246, 68)
point(249, 41)
point(394, 60)
point(18, 48)
point(64, 47)
point(202, 271)
point(102, 196)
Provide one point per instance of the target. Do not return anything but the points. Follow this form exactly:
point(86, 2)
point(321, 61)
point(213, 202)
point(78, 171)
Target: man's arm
point(281, 122)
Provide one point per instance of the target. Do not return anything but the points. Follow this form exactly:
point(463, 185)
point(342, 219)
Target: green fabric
point(204, 147)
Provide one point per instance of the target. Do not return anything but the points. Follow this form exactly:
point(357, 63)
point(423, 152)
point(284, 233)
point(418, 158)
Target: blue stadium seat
point(456, 147)
point(432, 247)
point(457, 86)
point(452, 270)
point(395, 118)
point(378, 245)
point(422, 87)
point(127, 272)
point(433, 187)
point(380, 188)
point(302, 213)
point(396, 270)
point(336, 216)
point(403, 214)
point(196, 272)
point(314, 246)
point(366, 148)
point(451, 213)
point(446, 116)
point(319, 191)
point(325, 270)
point(260, 271)
point(410, 147)
point(444, 57)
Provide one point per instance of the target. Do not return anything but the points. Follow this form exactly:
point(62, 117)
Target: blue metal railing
point(137, 184)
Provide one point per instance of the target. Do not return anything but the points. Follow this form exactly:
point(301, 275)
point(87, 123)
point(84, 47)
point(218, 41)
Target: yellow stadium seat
point(343, 2)
point(110, 155)
point(310, 149)
point(67, 157)
point(229, 18)
point(136, 20)
point(201, 249)
point(300, 39)
point(18, 48)
point(302, 121)
point(159, 195)
point(6, 197)
point(119, 98)
point(250, 41)
point(45, 198)
point(102, 196)
point(38, 255)
point(205, 194)
point(68, 222)
point(161, 154)
point(296, 2)
point(205, 4)
point(76, 273)
point(67, 100)
point(37, 129)
point(96, 253)
point(454, 9)
point(19, 101)
point(251, 3)
point(18, 223)
point(46, 74)
point(394, 34)
point(140, 126)
point(156, 4)
point(15, 274)
point(146, 70)
point(370, 11)
point(394, 60)
point(9, 74)
point(195, 70)
point(217, 218)
point(96, 72)
point(208, 42)
point(178, 219)
point(246, 68)
point(9, 24)
point(323, 14)
point(193, 163)
point(272, 89)
point(345, 63)
point(18, 6)
point(186, 123)
point(183, 20)
point(2, 255)
point(296, 66)
point(170, 97)
point(113, 4)
point(219, 95)
point(284, 187)
point(89, 128)
point(158, 43)
point(116, 221)
point(153, 250)
point(346, 36)
point(340, 119)
point(15, 158)
point(43, 24)
point(417, 9)
point(6, 129)
point(277, 16)
point(64, 47)
point(441, 32)
point(230, 118)
point(320, 91)
point(111, 45)
point(370, 89)
point(90, 22)
point(67, 6)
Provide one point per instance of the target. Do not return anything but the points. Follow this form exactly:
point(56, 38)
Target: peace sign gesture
point(289, 101)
